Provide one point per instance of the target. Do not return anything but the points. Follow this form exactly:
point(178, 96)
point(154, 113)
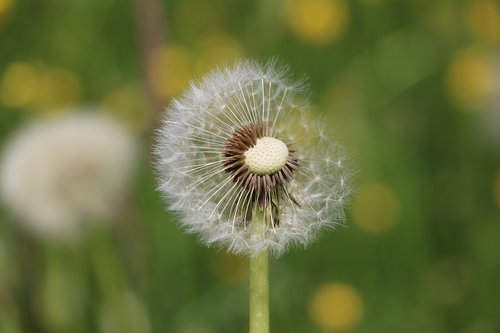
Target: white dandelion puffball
point(243, 140)
point(60, 173)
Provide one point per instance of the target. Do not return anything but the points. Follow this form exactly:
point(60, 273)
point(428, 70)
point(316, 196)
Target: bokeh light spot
point(19, 84)
point(317, 21)
point(470, 79)
point(483, 20)
point(376, 208)
point(127, 105)
point(58, 88)
point(27, 85)
point(171, 68)
point(5, 8)
point(336, 307)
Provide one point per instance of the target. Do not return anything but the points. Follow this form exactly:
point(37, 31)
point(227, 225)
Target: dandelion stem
point(259, 280)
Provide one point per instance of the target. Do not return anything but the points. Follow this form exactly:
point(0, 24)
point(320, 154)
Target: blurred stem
point(106, 265)
point(109, 275)
point(10, 320)
point(259, 280)
point(62, 264)
point(151, 27)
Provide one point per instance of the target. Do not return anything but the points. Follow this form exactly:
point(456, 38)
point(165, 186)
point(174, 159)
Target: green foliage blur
point(410, 88)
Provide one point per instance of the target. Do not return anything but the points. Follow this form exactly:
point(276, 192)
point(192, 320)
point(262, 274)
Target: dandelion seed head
point(242, 139)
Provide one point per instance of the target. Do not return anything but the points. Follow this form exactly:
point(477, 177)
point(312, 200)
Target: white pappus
point(242, 139)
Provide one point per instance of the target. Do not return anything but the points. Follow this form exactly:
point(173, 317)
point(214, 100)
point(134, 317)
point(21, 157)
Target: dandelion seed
point(58, 174)
point(243, 139)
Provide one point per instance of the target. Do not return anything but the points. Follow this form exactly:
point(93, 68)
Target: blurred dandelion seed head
point(60, 172)
point(244, 139)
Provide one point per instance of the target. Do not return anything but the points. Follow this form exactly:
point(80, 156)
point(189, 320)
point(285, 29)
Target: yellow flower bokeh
point(37, 87)
point(171, 68)
point(470, 78)
point(19, 85)
point(336, 307)
point(483, 20)
point(317, 21)
point(5, 8)
point(58, 88)
point(376, 208)
point(127, 105)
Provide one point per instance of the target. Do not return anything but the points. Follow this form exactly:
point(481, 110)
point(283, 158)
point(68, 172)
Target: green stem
point(110, 279)
point(259, 281)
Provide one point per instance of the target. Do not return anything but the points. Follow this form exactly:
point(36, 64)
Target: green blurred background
point(411, 88)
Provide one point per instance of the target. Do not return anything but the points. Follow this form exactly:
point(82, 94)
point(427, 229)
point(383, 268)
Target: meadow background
point(410, 88)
